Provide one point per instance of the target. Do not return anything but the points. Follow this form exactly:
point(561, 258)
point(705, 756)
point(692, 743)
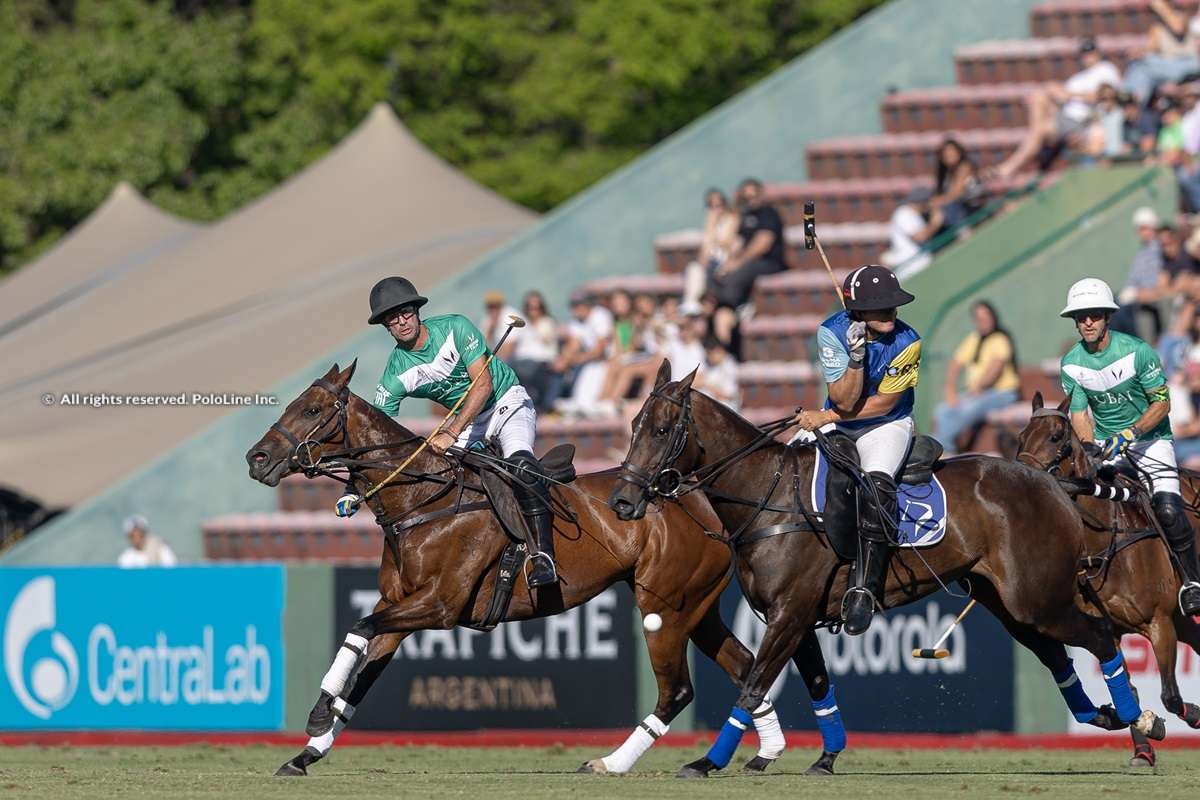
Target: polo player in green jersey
point(1120, 378)
point(436, 359)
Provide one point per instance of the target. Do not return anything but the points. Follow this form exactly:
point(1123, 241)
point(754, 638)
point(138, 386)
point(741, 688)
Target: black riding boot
point(875, 526)
point(1178, 528)
point(534, 497)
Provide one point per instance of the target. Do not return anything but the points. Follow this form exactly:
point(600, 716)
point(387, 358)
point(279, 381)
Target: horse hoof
point(757, 764)
point(291, 769)
point(1151, 726)
point(593, 767)
point(1106, 719)
point(1143, 759)
point(1191, 715)
point(823, 766)
point(696, 769)
point(320, 719)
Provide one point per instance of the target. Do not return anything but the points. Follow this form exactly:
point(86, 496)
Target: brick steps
point(1096, 17)
point(846, 244)
point(999, 105)
point(1015, 61)
point(899, 154)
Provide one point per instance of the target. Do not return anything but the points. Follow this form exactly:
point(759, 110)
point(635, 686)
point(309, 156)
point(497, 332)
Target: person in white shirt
point(687, 352)
point(589, 340)
point(718, 376)
point(145, 549)
point(494, 322)
point(910, 228)
point(1173, 52)
point(535, 351)
point(1060, 115)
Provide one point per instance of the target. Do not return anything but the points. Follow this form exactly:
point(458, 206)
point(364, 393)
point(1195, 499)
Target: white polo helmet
point(1088, 293)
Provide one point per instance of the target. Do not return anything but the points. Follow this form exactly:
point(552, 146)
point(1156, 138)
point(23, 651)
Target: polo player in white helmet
point(1120, 378)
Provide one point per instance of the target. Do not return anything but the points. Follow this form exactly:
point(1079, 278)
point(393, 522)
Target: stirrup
point(1193, 585)
point(847, 598)
point(553, 570)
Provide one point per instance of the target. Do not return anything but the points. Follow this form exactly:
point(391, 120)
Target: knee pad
point(1169, 510)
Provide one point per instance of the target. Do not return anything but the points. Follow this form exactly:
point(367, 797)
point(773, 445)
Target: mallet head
point(516, 321)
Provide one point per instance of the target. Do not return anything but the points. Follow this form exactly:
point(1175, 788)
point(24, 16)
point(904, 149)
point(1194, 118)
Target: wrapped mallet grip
point(929, 652)
point(810, 225)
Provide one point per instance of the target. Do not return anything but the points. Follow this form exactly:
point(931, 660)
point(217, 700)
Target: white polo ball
point(652, 622)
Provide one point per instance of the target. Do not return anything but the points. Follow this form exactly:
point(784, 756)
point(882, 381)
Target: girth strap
point(430, 516)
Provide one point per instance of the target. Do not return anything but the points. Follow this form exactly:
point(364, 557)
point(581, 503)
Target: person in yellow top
point(988, 359)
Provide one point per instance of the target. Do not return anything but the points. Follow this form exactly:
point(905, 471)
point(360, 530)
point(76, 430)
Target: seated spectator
point(988, 359)
point(1172, 55)
point(145, 549)
point(1107, 137)
point(1140, 127)
point(494, 322)
point(1178, 264)
point(718, 376)
point(761, 252)
point(1182, 365)
point(687, 352)
point(633, 362)
point(1146, 282)
point(957, 190)
point(535, 351)
point(913, 224)
point(1060, 115)
point(584, 357)
point(720, 239)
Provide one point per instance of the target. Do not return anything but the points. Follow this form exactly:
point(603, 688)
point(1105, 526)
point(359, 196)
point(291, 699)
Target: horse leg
point(1188, 632)
point(809, 659)
point(332, 715)
point(781, 639)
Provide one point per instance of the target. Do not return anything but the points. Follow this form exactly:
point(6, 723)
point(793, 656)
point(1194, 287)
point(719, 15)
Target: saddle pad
point(922, 508)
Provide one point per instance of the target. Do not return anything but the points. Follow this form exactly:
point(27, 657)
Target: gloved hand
point(1116, 444)
point(856, 340)
point(346, 505)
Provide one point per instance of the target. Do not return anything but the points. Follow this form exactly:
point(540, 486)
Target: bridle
point(302, 449)
point(664, 480)
point(1051, 466)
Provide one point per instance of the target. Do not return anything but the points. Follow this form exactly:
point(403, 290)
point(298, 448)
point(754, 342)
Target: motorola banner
point(182, 648)
point(879, 685)
point(576, 669)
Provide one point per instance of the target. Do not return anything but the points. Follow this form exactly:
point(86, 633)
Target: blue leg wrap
point(730, 736)
point(1117, 679)
point(1073, 692)
point(829, 722)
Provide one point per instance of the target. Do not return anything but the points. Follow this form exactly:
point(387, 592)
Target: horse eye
point(1056, 436)
point(660, 431)
point(313, 411)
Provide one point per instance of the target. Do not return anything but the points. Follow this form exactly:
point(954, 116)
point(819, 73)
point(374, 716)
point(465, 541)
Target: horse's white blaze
point(643, 737)
point(344, 662)
point(770, 733)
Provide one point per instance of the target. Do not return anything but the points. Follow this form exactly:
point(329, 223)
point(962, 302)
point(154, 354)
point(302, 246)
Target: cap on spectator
point(135, 521)
point(493, 298)
point(580, 297)
point(1087, 44)
point(919, 194)
point(1145, 217)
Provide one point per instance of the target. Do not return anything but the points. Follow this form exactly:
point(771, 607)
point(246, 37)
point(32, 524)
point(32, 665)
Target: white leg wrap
point(770, 733)
point(347, 658)
point(624, 757)
point(323, 743)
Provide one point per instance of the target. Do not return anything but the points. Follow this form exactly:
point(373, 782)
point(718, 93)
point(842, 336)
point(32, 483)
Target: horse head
point(312, 423)
point(1048, 443)
point(663, 449)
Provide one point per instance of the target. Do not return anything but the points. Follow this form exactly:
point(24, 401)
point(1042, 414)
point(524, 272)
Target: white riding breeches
point(1154, 462)
point(511, 423)
point(884, 447)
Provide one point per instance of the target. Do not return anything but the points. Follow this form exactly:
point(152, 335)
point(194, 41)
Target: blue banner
point(879, 685)
point(185, 648)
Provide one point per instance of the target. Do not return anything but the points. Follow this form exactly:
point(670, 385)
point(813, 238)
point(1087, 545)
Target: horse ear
point(1064, 405)
point(344, 378)
point(686, 384)
point(332, 373)
point(1038, 402)
point(664, 374)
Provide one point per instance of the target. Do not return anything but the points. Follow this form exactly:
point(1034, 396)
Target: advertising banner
point(1143, 674)
point(879, 685)
point(576, 669)
point(182, 648)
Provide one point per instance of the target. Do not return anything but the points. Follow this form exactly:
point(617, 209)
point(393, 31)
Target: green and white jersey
point(1119, 383)
point(438, 370)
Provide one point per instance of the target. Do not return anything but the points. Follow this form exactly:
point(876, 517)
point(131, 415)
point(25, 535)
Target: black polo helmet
point(873, 288)
point(390, 294)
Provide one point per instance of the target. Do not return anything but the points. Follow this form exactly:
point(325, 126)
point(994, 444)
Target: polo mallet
point(937, 651)
point(513, 322)
point(811, 241)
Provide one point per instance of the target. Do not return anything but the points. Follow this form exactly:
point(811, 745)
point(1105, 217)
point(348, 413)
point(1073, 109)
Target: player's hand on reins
point(812, 420)
point(442, 441)
point(1116, 444)
point(346, 505)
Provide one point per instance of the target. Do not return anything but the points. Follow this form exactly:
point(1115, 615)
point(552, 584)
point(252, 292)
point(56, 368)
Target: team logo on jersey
point(472, 342)
point(904, 370)
point(382, 395)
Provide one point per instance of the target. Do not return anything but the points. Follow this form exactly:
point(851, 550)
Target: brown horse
point(1013, 536)
point(1131, 576)
point(441, 572)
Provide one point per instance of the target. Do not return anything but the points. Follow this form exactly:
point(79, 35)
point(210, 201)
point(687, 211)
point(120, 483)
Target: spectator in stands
point(988, 359)
point(535, 352)
point(718, 377)
point(1146, 282)
point(1178, 264)
point(1183, 380)
point(687, 352)
point(720, 239)
point(1106, 139)
point(957, 190)
point(145, 549)
point(1060, 115)
point(632, 363)
point(760, 252)
point(494, 322)
point(584, 357)
point(1172, 55)
point(913, 224)
point(1140, 127)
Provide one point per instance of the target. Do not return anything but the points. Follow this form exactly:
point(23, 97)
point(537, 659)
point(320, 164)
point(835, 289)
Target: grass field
point(520, 773)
